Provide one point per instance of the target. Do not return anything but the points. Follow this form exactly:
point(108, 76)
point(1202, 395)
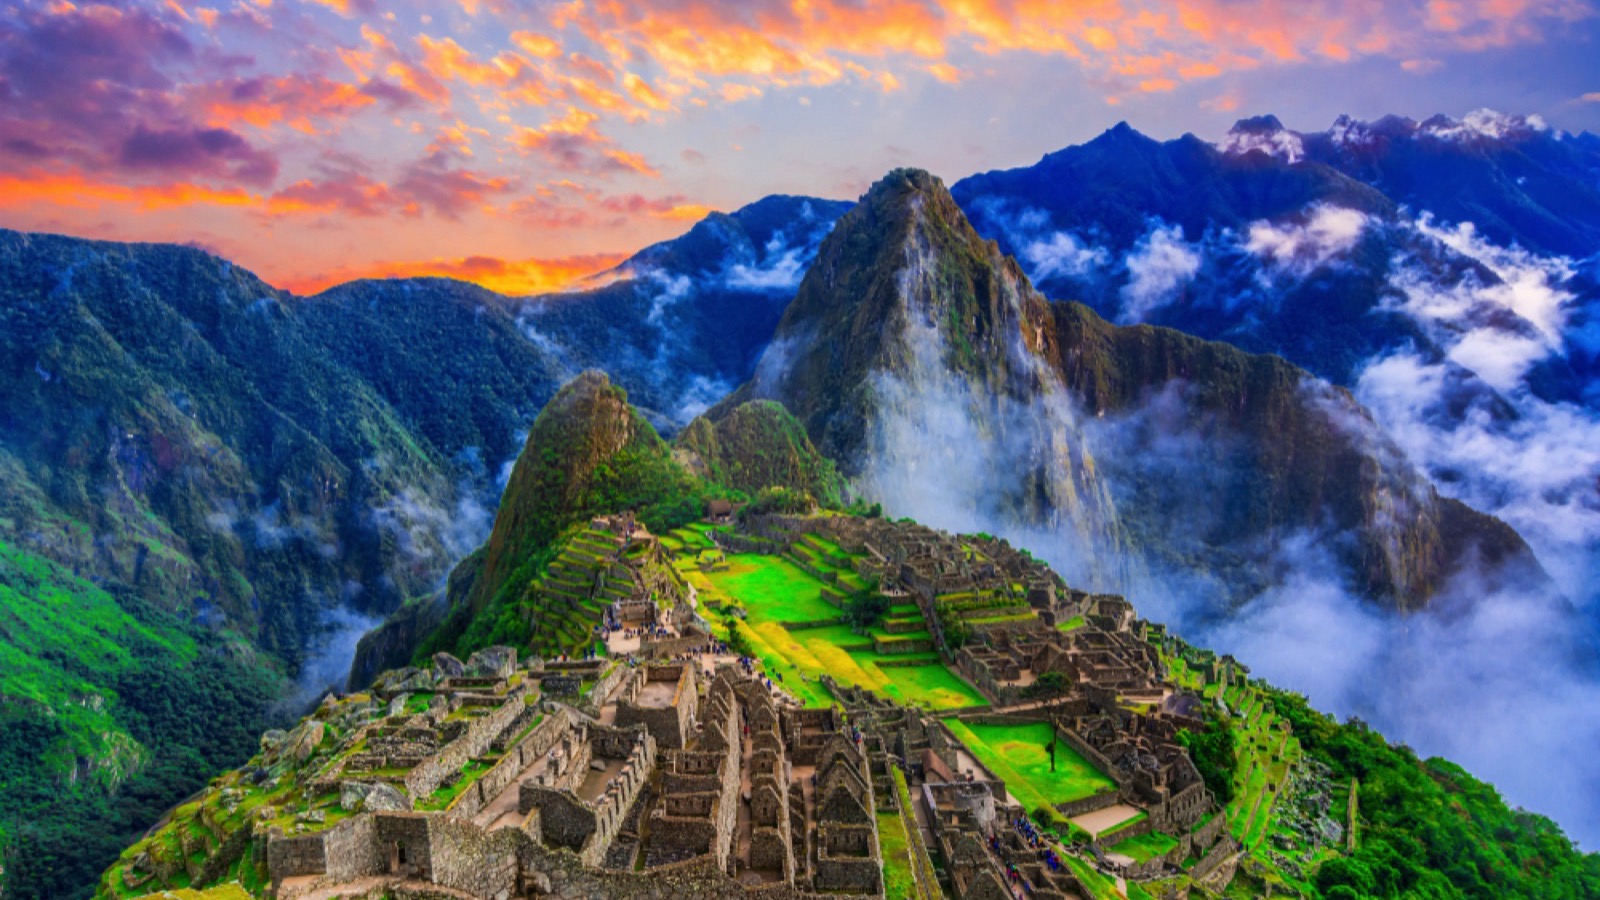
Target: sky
point(523, 144)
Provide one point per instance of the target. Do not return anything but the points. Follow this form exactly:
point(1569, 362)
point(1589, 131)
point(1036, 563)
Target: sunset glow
point(520, 146)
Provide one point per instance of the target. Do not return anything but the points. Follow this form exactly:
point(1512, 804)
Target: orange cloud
point(536, 45)
point(1130, 44)
point(516, 277)
point(76, 190)
point(686, 212)
point(571, 144)
point(295, 100)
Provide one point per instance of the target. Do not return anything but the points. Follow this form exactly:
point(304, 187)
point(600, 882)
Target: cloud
point(1309, 242)
point(1159, 266)
point(1062, 254)
point(434, 183)
point(1497, 324)
point(781, 268)
point(1483, 123)
point(1145, 47)
point(87, 88)
point(75, 189)
point(571, 144)
point(1273, 141)
point(328, 659)
point(207, 151)
point(1452, 682)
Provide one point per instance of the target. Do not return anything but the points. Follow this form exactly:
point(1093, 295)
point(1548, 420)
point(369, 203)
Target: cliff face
point(917, 355)
point(923, 361)
point(1243, 450)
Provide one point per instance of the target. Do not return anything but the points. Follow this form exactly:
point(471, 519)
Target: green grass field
point(1146, 846)
point(898, 881)
point(1016, 753)
point(773, 591)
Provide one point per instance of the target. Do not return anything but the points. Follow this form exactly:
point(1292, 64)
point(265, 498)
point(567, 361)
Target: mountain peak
point(902, 285)
point(1263, 135)
point(1266, 124)
point(584, 428)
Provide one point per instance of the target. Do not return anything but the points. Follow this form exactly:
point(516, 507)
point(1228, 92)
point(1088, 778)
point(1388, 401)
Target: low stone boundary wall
point(901, 645)
point(532, 746)
point(814, 623)
point(426, 777)
point(1090, 804)
point(739, 543)
point(1095, 757)
point(661, 648)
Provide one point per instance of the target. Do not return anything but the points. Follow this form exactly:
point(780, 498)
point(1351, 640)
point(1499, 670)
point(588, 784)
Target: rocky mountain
point(682, 322)
point(1444, 271)
point(591, 452)
point(172, 423)
point(1312, 246)
point(920, 357)
point(217, 454)
point(759, 445)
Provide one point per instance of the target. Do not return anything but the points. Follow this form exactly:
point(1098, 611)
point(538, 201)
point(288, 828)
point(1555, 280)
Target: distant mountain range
point(1347, 365)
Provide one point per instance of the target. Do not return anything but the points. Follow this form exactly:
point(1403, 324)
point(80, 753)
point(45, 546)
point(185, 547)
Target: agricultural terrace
point(1265, 752)
point(1018, 755)
point(794, 624)
point(1145, 847)
point(896, 848)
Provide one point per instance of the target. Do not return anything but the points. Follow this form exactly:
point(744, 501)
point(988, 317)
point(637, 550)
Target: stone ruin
point(679, 787)
point(632, 779)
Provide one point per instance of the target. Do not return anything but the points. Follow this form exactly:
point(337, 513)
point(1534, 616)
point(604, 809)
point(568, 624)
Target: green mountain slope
point(588, 453)
point(110, 710)
point(757, 445)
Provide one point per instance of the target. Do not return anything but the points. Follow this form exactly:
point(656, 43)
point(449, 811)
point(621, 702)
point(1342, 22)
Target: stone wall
point(217, 864)
point(1095, 757)
point(588, 828)
point(353, 849)
point(465, 858)
point(1221, 852)
point(1089, 804)
point(291, 857)
point(426, 777)
point(533, 745)
point(663, 648)
point(670, 725)
point(460, 859)
point(1207, 834)
point(603, 686)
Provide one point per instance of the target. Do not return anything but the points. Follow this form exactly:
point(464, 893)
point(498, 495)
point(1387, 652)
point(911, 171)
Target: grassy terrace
point(774, 592)
point(220, 892)
point(897, 878)
point(1265, 754)
point(1016, 753)
point(1146, 846)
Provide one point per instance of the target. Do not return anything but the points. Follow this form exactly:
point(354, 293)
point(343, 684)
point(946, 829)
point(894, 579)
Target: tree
point(866, 608)
point(1051, 684)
